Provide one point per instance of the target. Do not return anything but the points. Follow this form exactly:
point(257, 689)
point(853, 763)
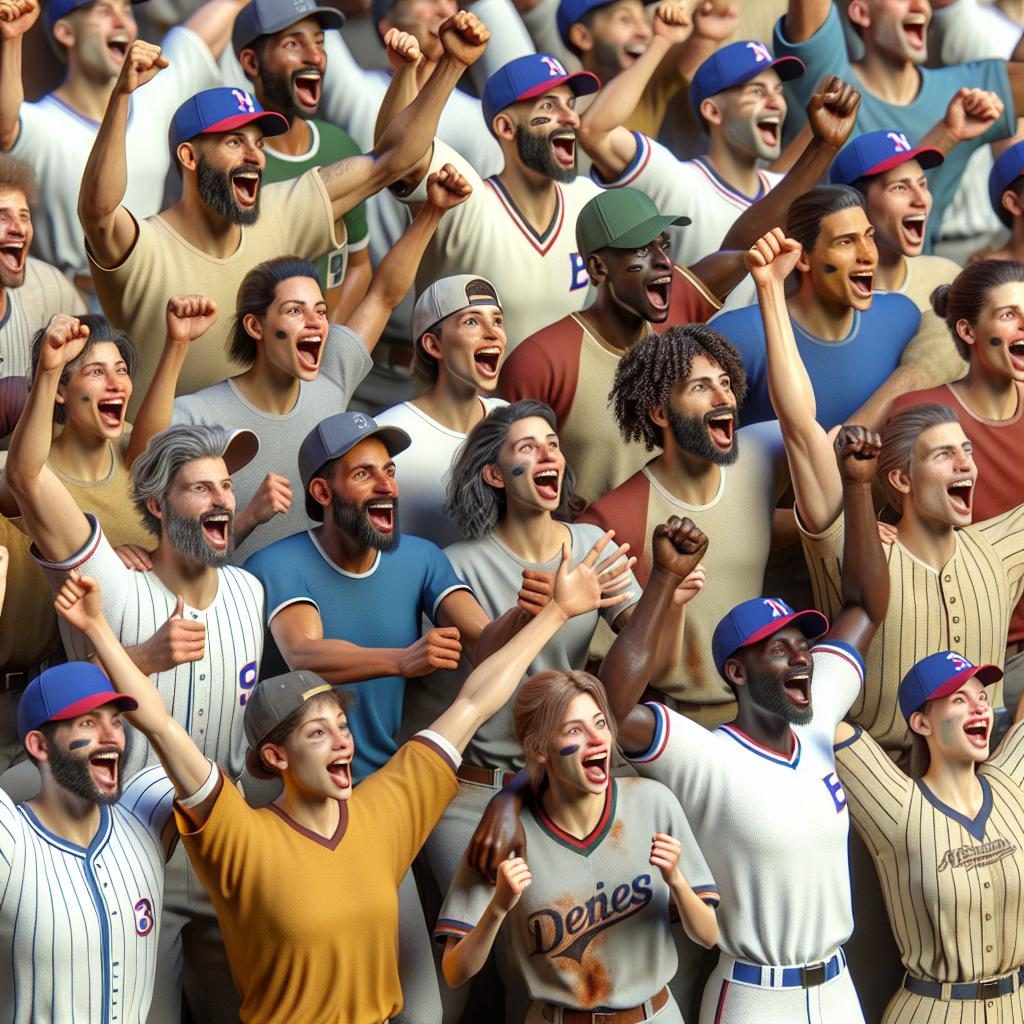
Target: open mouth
point(246, 184)
point(217, 529)
point(105, 766)
point(913, 228)
point(861, 284)
point(546, 482)
point(976, 730)
point(1017, 353)
point(341, 772)
point(487, 360)
point(595, 769)
point(914, 29)
point(960, 494)
point(721, 428)
point(12, 256)
point(111, 412)
point(634, 51)
point(309, 349)
point(306, 85)
point(563, 145)
point(118, 47)
point(658, 291)
point(769, 129)
point(381, 515)
point(797, 688)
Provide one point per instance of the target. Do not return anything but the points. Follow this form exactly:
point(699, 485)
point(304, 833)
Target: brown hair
point(965, 297)
point(279, 734)
point(16, 175)
point(808, 211)
point(540, 704)
point(899, 435)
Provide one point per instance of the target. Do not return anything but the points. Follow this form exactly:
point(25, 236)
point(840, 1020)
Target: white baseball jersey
point(207, 697)
point(78, 926)
point(776, 828)
point(540, 277)
point(592, 929)
point(689, 188)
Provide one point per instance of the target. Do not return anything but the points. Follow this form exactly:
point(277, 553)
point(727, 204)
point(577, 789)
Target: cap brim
point(926, 156)
point(811, 623)
point(985, 674)
point(242, 447)
point(645, 233)
point(787, 68)
point(269, 123)
point(582, 83)
point(94, 701)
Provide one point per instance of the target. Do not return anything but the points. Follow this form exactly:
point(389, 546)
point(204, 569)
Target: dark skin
point(865, 601)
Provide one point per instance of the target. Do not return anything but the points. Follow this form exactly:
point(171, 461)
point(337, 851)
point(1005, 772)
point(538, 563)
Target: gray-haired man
point(195, 623)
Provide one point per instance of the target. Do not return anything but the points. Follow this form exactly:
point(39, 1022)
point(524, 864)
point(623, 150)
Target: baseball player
point(949, 847)
point(81, 864)
point(762, 790)
point(594, 940)
point(306, 889)
point(194, 622)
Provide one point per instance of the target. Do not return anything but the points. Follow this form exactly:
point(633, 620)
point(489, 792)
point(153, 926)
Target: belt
point(990, 988)
point(796, 976)
point(633, 1015)
point(494, 778)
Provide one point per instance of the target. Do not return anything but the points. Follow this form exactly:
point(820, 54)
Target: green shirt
point(327, 145)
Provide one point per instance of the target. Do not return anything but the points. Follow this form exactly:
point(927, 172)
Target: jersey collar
point(790, 760)
point(587, 844)
point(975, 825)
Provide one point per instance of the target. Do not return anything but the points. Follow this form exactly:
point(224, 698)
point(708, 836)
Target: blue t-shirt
point(825, 53)
point(380, 608)
point(844, 374)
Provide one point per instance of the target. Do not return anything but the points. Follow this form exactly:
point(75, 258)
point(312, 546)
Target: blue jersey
point(844, 373)
point(383, 607)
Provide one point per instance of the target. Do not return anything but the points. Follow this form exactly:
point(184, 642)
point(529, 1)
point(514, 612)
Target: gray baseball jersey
point(78, 926)
point(592, 929)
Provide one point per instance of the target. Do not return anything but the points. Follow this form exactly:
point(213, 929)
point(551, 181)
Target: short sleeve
point(464, 904)
point(1006, 534)
point(691, 301)
point(877, 792)
point(744, 329)
point(444, 154)
point(10, 835)
point(837, 683)
point(547, 372)
point(691, 862)
point(283, 581)
point(824, 53)
point(439, 580)
point(149, 798)
point(346, 361)
point(588, 536)
point(299, 213)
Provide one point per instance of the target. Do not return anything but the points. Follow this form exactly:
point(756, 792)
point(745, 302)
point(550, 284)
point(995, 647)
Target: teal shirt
point(328, 145)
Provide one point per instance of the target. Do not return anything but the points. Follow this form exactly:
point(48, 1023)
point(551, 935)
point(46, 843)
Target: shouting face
point(291, 68)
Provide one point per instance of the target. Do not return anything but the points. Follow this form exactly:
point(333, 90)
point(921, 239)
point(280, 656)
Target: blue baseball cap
point(1005, 171)
point(750, 622)
point(333, 437)
point(221, 110)
point(265, 17)
point(57, 9)
point(939, 675)
point(735, 64)
point(527, 77)
point(878, 152)
point(67, 691)
point(571, 11)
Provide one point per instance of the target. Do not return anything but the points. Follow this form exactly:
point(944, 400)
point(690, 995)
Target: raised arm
point(79, 602)
point(804, 18)
point(970, 113)
point(392, 280)
point(610, 145)
point(409, 136)
point(109, 228)
point(812, 464)
point(213, 23)
point(405, 60)
point(53, 519)
point(188, 317)
point(16, 18)
point(865, 571)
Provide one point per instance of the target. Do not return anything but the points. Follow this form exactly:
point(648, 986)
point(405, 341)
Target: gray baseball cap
point(448, 295)
point(333, 437)
point(265, 17)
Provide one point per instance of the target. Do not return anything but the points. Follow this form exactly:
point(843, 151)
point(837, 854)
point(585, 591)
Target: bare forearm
point(402, 90)
point(12, 92)
point(397, 271)
point(158, 406)
point(464, 959)
point(32, 437)
point(699, 920)
point(106, 171)
point(339, 661)
point(614, 104)
point(804, 18)
point(345, 298)
point(865, 572)
point(213, 23)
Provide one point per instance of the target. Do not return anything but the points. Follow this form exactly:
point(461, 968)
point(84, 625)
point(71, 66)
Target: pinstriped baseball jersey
point(208, 697)
point(964, 607)
point(953, 887)
point(78, 927)
point(774, 827)
point(592, 929)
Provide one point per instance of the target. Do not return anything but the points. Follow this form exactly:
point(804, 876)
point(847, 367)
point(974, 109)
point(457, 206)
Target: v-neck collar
point(543, 240)
point(790, 760)
point(975, 825)
point(588, 843)
point(332, 842)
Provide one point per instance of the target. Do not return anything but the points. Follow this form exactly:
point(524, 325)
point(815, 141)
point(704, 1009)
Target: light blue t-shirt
point(825, 53)
point(379, 608)
point(844, 374)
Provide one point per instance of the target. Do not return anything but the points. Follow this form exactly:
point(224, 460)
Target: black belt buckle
point(812, 975)
point(989, 989)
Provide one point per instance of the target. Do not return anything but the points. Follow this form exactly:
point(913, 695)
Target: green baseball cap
point(623, 218)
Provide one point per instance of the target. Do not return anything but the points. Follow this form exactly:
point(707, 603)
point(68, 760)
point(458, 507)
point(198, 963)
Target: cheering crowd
point(489, 496)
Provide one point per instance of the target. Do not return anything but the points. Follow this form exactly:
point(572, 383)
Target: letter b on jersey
point(835, 790)
point(578, 276)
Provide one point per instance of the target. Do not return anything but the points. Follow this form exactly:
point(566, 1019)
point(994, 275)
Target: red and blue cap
point(878, 152)
point(1005, 171)
point(222, 110)
point(754, 620)
point(526, 78)
point(571, 11)
point(735, 64)
point(939, 675)
point(64, 692)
